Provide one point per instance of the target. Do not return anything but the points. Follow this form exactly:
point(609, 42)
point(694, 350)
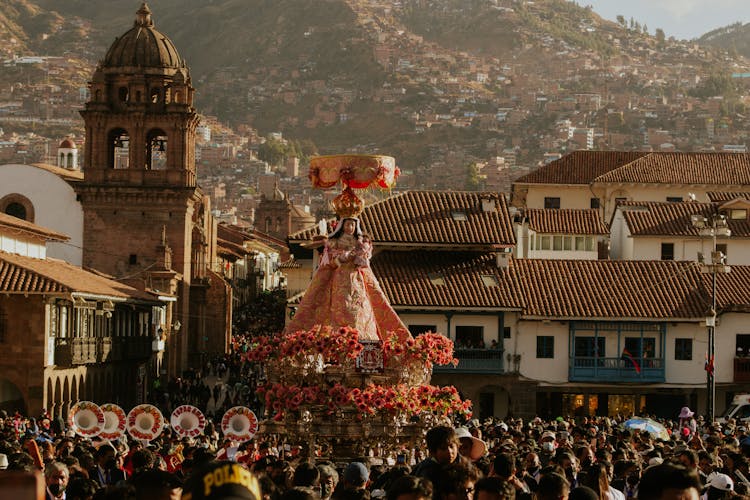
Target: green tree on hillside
point(273, 151)
point(717, 84)
point(660, 37)
point(472, 177)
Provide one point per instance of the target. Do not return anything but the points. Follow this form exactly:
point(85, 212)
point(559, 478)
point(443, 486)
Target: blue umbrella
point(653, 427)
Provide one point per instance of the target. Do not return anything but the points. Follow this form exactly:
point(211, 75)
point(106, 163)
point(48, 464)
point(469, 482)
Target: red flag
point(709, 365)
point(626, 354)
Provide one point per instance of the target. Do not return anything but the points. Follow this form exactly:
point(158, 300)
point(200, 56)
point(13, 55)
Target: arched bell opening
point(156, 150)
point(119, 149)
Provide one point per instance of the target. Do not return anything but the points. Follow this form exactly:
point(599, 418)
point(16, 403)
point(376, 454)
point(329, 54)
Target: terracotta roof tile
point(566, 221)
point(718, 196)
point(405, 279)
point(587, 167)
point(732, 292)
point(673, 219)
point(580, 289)
point(565, 289)
point(579, 167)
point(8, 221)
point(723, 169)
point(434, 218)
point(19, 274)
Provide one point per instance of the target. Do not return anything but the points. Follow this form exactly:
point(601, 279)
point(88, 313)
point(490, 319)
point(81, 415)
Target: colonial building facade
point(68, 333)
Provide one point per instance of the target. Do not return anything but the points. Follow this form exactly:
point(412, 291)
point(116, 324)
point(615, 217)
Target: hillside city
point(469, 119)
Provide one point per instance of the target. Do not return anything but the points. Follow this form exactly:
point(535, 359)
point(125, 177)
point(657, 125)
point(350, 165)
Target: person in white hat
point(470, 447)
point(547, 443)
point(718, 486)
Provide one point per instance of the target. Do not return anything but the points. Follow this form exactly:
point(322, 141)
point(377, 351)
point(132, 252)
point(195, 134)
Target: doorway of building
point(494, 401)
point(11, 398)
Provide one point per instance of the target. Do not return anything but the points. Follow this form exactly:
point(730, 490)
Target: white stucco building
point(42, 194)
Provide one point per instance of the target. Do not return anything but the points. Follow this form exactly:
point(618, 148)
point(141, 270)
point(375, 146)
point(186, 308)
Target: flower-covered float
point(346, 378)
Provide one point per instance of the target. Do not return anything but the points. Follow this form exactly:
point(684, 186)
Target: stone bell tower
point(139, 193)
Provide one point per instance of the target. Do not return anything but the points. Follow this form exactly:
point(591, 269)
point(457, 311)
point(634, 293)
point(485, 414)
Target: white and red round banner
point(86, 419)
point(239, 424)
point(115, 421)
point(145, 422)
point(187, 421)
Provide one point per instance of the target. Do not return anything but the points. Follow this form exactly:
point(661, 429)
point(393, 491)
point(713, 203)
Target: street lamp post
point(713, 226)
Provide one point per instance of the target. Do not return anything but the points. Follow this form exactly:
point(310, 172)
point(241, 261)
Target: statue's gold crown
point(348, 205)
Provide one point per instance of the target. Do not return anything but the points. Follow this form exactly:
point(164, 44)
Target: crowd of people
point(578, 458)
point(223, 382)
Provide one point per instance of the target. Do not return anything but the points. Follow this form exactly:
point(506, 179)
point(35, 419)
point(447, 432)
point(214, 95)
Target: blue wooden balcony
point(595, 369)
point(475, 361)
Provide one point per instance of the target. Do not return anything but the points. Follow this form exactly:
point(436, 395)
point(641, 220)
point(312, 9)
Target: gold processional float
point(325, 388)
point(335, 392)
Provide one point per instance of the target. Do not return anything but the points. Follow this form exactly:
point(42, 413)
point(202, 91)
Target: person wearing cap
point(470, 447)
point(547, 443)
point(221, 481)
point(355, 477)
point(719, 487)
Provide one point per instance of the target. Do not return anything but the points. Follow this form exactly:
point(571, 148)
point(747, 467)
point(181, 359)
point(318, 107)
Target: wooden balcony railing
point(474, 361)
point(596, 369)
point(90, 350)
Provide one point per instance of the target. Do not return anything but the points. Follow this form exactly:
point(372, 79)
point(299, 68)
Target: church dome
point(143, 46)
point(67, 144)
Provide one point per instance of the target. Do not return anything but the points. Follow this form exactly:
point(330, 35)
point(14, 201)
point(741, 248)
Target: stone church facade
point(145, 217)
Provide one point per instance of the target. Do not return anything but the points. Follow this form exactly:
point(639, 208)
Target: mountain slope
point(734, 38)
point(415, 78)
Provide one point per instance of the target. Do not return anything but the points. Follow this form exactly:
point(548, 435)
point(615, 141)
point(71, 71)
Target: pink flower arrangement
point(429, 348)
point(373, 399)
point(334, 345)
point(326, 395)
